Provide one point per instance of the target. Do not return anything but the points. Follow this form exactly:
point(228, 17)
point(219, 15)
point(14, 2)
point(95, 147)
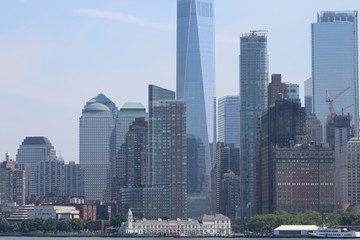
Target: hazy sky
point(56, 55)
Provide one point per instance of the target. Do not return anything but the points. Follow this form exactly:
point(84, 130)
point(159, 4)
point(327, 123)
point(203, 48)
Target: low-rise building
point(207, 225)
point(54, 212)
point(294, 230)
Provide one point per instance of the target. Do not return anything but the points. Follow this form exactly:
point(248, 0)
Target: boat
point(324, 232)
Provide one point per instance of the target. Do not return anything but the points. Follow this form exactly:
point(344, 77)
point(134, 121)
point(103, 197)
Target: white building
point(207, 225)
point(54, 212)
point(294, 230)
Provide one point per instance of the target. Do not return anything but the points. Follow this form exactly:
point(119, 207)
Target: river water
point(131, 238)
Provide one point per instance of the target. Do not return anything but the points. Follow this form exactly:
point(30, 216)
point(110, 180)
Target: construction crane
point(330, 100)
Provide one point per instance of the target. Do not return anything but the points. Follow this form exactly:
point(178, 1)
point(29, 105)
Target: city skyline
point(56, 56)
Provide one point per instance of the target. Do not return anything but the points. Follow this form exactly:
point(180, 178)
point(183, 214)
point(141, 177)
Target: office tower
point(338, 132)
point(229, 120)
point(136, 145)
point(314, 129)
point(275, 88)
point(230, 195)
point(50, 178)
point(155, 95)
point(31, 152)
point(304, 179)
point(308, 87)
point(292, 91)
point(253, 101)
point(126, 116)
point(282, 126)
point(350, 165)
point(169, 149)
point(195, 70)
point(227, 160)
point(97, 145)
point(12, 187)
point(74, 179)
point(335, 64)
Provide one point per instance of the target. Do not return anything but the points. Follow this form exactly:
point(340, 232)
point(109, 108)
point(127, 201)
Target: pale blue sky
point(56, 55)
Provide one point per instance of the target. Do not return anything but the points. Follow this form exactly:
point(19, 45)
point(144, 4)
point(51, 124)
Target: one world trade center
point(195, 80)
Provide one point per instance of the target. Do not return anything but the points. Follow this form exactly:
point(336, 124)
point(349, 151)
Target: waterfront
point(132, 238)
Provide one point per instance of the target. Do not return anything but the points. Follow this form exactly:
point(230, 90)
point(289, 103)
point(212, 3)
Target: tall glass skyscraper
point(253, 101)
point(335, 64)
point(195, 72)
point(97, 126)
point(229, 120)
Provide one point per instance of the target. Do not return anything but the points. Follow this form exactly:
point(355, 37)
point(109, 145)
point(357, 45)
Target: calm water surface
point(132, 238)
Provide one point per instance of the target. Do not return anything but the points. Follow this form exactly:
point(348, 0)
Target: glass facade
point(253, 101)
point(31, 152)
point(229, 120)
point(195, 72)
point(155, 94)
point(308, 86)
point(335, 63)
point(97, 125)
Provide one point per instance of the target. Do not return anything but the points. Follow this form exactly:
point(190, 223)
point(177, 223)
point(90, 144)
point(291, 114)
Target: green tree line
point(268, 222)
point(51, 225)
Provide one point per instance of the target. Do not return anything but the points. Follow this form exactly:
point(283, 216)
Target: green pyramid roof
point(101, 98)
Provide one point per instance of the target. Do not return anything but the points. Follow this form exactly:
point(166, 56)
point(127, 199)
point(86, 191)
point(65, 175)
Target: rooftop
point(132, 105)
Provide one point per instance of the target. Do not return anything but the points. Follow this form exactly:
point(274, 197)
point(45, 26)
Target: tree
point(50, 225)
point(77, 224)
point(4, 225)
point(64, 226)
point(117, 219)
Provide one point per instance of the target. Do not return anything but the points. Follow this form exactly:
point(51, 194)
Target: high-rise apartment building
point(335, 64)
point(276, 88)
point(74, 179)
point(195, 71)
point(31, 152)
point(12, 187)
point(350, 164)
point(97, 138)
point(155, 95)
point(253, 101)
point(170, 155)
point(229, 120)
point(50, 178)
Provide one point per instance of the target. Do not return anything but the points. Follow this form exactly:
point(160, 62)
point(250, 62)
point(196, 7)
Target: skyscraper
point(31, 152)
point(229, 120)
point(335, 64)
point(170, 155)
point(127, 114)
point(195, 71)
point(253, 101)
point(155, 95)
point(97, 145)
point(308, 92)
